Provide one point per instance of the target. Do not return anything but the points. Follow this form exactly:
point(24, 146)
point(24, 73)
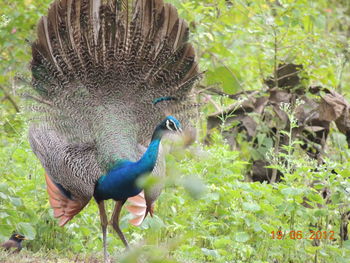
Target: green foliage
point(240, 43)
point(230, 219)
point(234, 219)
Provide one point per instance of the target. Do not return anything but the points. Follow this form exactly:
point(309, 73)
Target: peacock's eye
point(170, 125)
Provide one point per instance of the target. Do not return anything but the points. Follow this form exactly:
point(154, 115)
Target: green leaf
point(226, 77)
point(316, 198)
point(3, 196)
point(3, 214)
point(3, 187)
point(242, 237)
point(291, 191)
point(27, 230)
point(16, 201)
point(194, 185)
point(251, 206)
point(210, 252)
point(222, 242)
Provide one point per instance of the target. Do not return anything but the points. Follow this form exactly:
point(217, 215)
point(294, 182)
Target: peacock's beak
point(179, 130)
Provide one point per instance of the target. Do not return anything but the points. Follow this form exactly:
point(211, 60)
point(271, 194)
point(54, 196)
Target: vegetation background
point(209, 211)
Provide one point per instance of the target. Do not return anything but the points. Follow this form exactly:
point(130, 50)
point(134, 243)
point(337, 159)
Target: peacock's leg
point(115, 221)
point(104, 223)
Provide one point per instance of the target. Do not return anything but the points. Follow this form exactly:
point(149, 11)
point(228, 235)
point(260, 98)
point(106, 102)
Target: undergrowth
point(207, 213)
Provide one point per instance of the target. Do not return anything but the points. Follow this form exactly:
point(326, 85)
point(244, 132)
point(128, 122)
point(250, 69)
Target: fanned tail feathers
point(92, 59)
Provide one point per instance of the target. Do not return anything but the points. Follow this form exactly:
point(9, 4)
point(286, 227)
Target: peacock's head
point(170, 124)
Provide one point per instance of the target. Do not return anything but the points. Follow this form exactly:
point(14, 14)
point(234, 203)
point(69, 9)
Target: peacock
point(110, 78)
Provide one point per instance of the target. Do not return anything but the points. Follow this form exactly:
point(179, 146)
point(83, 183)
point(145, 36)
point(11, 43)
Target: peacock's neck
point(119, 182)
point(149, 158)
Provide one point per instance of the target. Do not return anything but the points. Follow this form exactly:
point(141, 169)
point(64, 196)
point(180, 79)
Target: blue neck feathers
point(149, 158)
point(120, 182)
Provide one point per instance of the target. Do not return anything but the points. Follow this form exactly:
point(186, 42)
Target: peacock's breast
point(118, 184)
